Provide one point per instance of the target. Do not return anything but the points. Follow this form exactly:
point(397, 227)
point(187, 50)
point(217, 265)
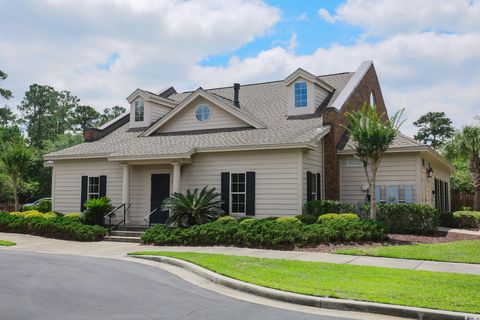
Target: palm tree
point(372, 135)
point(193, 208)
point(466, 145)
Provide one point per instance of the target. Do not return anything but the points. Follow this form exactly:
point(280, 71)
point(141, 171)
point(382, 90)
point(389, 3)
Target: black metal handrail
point(147, 217)
point(112, 213)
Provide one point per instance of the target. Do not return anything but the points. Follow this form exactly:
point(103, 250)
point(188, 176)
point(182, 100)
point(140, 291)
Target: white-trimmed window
point(313, 186)
point(372, 99)
point(139, 111)
point(203, 113)
point(237, 193)
point(354, 162)
point(93, 187)
point(300, 94)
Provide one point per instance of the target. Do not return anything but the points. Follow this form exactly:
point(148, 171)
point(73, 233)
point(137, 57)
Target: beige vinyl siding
point(156, 111)
point(151, 113)
point(313, 162)
point(68, 182)
point(428, 184)
point(186, 121)
point(276, 177)
point(320, 95)
point(395, 169)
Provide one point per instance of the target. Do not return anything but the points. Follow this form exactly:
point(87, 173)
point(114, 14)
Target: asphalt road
point(50, 286)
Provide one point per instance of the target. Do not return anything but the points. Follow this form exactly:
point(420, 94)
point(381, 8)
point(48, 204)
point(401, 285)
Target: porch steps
point(127, 234)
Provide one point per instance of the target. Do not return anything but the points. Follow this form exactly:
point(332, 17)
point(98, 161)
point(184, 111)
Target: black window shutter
point(319, 184)
point(83, 196)
point(309, 186)
point(225, 192)
point(103, 186)
point(250, 193)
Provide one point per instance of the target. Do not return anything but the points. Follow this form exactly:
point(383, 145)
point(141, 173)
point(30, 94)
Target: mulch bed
point(394, 239)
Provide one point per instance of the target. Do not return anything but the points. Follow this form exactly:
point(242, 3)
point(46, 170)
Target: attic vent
point(236, 89)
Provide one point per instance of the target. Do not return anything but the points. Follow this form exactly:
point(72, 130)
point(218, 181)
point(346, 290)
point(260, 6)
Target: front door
point(160, 191)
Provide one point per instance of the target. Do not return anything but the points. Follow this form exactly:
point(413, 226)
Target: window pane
point(202, 113)
point(300, 94)
point(139, 110)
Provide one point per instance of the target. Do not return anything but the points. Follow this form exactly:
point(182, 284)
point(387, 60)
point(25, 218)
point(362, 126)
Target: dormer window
point(300, 94)
point(139, 111)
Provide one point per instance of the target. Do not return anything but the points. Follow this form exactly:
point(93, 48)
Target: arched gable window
point(372, 99)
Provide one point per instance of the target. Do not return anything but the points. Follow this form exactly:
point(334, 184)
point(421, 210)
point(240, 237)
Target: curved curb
point(312, 301)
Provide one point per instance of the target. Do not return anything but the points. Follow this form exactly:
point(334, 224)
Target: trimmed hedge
point(409, 218)
point(307, 218)
point(266, 233)
point(467, 219)
point(54, 227)
point(319, 207)
point(337, 216)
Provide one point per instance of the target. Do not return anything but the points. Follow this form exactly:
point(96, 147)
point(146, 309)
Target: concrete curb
point(311, 301)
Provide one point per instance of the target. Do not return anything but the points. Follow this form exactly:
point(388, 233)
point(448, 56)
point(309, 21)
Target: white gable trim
point(147, 96)
point(200, 93)
point(300, 73)
point(352, 84)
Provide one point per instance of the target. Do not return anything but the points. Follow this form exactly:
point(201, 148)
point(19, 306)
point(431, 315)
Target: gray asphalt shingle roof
point(400, 141)
point(263, 102)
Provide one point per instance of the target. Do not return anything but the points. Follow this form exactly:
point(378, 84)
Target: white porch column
point(176, 176)
point(126, 184)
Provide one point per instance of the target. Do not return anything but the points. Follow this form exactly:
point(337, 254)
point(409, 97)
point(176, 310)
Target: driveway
point(52, 286)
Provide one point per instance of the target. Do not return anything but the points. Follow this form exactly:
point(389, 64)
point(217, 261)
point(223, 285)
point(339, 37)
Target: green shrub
point(288, 219)
point(337, 216)
point(467, 219)
point(266, 233)
point(45, 206)
point(307, 218)
point(226, 219)
point(319, 207)
point(96, 209)
point(73, 216)
point(54, 227)
point(246, 220)
point(28, 208)
point(409, 218)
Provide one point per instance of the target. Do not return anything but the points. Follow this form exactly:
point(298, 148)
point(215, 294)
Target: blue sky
point(427, 59)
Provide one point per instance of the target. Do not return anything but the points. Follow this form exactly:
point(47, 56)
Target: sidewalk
point(463, 231)
point(119, 249)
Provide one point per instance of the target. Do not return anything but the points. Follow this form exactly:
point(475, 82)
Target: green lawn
point(7, 243)
point(467, 251)
point(437, 290)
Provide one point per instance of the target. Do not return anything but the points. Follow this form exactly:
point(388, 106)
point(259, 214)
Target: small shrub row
point(467, 219)
point(409, 218)
point(318, 207)
point(266, 233)
point(53, 227)
point(44, 206)
point(33, 214)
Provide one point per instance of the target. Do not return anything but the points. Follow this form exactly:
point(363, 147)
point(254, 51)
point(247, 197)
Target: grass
point(467, 251)
point(436, 290)
point(6, 243)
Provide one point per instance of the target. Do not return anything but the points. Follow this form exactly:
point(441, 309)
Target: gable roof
point(265, 103)
point(310, 77)
point(220, 101)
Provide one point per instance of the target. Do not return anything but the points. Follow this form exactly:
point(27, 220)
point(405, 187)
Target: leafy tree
point(7, 117)
point(62, 141)
point(461, 179)
point(372, 135)
point(193, 208)
point(7, 94)
point(66, 104)
point(85, 117)
point(466, 145)
point(434, 129)
point(110, 114)
point(15, 158)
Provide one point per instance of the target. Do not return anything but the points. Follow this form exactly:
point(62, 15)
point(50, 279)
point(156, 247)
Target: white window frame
point(209, 112)
point(372, 99)
point(352, 161)
point(295, 94)
point(93, 195)
point(139, 103)
point(238, 192)
point(314, 186)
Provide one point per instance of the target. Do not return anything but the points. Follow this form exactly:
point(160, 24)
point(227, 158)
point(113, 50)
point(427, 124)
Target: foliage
point(372, 134)
point(226, 219)
point(96, 209)
point(461, 179)
point(7, 117)
point(434, 129)
point(467, 219)
point(6, 243)
point(288, 219)
point(319, 207)
point(337, 216)
point(5, 93)
point(45, 206)
point(193, 207)
point(409, 218)
point(307, 218)
point(55, 227)
point(85, 117)
point(466, 145)
point(73, 216)
point(266, 233)
point(110, 114)
point(467, 251)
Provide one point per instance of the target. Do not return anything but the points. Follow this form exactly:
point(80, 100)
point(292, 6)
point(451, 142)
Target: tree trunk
point(475, 172)
point(477, 200)
point(373, 201)
point(15, 196)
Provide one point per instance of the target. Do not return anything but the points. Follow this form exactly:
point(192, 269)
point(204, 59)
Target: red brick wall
point(336, 118)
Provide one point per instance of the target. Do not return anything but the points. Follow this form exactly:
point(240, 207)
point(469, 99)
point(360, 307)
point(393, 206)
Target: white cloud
point(386, 17)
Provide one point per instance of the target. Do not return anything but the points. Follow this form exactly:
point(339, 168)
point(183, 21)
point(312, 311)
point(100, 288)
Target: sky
point(426, 53)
